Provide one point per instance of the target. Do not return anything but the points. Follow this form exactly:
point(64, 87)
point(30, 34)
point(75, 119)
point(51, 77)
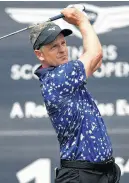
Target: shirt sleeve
point(68, 77)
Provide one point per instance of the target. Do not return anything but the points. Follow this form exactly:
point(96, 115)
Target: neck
point(45, 66)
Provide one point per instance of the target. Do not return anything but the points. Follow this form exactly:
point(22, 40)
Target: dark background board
point(26, 135)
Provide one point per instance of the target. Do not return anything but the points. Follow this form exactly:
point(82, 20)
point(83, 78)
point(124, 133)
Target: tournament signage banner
point(29, 150)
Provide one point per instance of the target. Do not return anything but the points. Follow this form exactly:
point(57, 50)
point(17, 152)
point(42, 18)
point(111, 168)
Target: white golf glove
point(80, 7)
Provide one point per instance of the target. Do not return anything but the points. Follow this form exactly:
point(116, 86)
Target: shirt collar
point(40, 71)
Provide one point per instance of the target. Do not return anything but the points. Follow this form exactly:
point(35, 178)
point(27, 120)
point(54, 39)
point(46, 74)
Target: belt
point(81, 164)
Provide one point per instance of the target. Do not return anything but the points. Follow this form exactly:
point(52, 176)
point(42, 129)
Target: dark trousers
point(86, 172)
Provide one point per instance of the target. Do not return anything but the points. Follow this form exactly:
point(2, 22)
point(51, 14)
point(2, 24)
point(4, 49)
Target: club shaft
point(21, 30)
point(14, 33)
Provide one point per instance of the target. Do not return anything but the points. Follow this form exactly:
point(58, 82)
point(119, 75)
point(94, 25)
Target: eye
point(63, 43)
point(54, 46)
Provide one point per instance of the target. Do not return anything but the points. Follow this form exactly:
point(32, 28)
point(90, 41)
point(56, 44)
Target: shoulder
point(69, 66)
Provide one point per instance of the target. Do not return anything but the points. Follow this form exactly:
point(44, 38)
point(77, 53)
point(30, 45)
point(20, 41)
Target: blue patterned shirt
point(80, 129)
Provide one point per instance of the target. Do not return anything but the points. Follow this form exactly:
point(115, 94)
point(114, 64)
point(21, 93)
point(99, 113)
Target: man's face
point(54, 53)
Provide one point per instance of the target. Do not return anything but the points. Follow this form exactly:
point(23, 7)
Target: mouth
point(65, 56)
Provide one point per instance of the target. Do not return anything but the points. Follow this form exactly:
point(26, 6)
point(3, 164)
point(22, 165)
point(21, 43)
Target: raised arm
point(92, 55)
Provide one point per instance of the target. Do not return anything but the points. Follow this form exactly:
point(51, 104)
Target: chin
point(65, 60)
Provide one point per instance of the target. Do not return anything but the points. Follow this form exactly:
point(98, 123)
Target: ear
point(39, 55)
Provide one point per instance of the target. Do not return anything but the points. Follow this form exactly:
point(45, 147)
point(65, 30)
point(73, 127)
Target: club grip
point(56, 17)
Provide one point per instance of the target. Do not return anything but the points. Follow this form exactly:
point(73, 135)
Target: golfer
point(86, 154)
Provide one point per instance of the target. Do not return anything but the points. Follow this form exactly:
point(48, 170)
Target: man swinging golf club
point(86, 154)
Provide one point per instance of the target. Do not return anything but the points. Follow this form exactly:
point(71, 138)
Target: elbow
point(99, 54)
point(99, 57)
point(99, 64)
point(96, 61)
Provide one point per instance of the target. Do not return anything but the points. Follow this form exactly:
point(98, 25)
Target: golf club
point(31, 26)
point(79, 6)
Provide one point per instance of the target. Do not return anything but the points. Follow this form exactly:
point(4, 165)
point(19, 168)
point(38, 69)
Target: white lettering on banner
point(122, 107)
point(16, 111)
point(106, 109)
point(118, 69)
point(40, 171)
point(31, 110)
point(110, 52)
point(23, 72)
point(124, 166)
point(108, 69)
